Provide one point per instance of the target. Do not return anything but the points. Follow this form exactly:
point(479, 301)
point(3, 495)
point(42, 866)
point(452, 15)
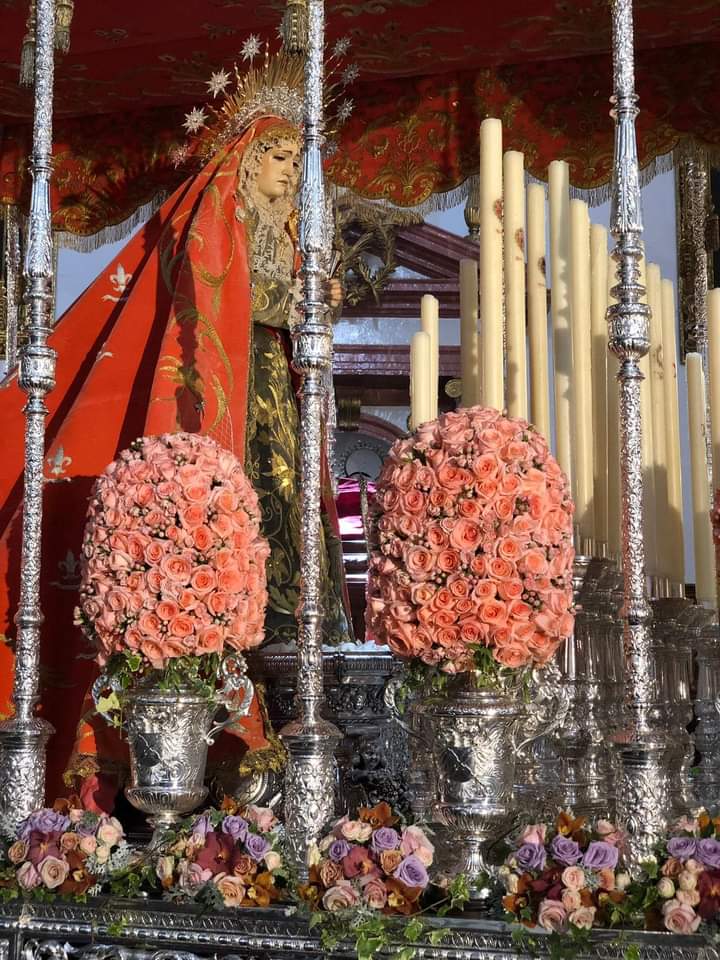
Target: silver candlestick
point(643, 785)
point(24, 736)
point(311, 741)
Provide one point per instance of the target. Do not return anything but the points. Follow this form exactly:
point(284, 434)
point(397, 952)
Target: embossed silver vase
point(473, 737)
point(168, 734)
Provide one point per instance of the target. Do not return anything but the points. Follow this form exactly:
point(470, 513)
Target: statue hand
point(334, 290)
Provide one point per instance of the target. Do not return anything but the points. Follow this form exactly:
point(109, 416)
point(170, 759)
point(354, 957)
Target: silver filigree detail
point(23, 738)
point(643, 787)
point(310, 740)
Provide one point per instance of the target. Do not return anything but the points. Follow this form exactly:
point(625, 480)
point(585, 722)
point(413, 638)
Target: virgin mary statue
point(188, 329)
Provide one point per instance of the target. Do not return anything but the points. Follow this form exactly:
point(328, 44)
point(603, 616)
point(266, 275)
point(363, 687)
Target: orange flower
point(380, 815)
point(310, 893)
point(229, 805)
point(261, 891)
point(566, 825)
point(703, 820)
point(401, 898)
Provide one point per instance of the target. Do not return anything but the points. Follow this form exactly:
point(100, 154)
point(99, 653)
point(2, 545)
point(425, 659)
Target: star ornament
point(350, 74)
point(218, 82)
point(341, 47)
point(195, 120)
point(251, 48)
point(345, 110)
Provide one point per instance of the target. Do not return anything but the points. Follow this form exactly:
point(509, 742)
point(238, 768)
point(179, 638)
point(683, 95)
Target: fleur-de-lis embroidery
point(120, 281)
point(58, 462)
point(69, 573)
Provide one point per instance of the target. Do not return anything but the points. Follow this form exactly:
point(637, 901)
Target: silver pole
point(311, 740)
point(24, 737)
point(643, 788)
point(12, 284)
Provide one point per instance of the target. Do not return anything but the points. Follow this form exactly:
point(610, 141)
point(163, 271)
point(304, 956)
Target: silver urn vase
point(472, 738)
point(168, 734)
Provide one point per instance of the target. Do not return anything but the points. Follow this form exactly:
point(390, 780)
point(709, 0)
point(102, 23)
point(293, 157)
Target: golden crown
point(274, 88)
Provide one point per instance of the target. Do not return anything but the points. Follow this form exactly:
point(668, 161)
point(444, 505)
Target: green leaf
point(108, 704)
point(407, 953)
point(317, 919)
point(632, 952)
point(414, 929)
point(438, 935)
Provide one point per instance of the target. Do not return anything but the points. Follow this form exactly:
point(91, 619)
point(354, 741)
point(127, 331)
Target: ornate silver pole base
point(706, 780)
point(23, 748)
point(643, 795)
point(310, 780)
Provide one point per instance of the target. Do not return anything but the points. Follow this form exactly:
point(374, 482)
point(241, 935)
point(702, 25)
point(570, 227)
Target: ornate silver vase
point(472, 737)
point(168, 734)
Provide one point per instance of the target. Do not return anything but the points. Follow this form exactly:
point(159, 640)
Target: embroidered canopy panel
point(430, 72)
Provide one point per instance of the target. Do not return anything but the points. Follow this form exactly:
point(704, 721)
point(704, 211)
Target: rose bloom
point(53, 872)
point(583, 917)
point(340, 897)
point(110, 832)
point(448, 560)
point(68, 841)
point(533, 833)
point(679, 917)
point(390, 860)
point(17, 852)
point(330, 873)
point(552, 916)
point(231, 889)
point(571, 900)
point(415, 841)
point(374, 892)
point(356, 830)
point(88, 845)
point(573, 878)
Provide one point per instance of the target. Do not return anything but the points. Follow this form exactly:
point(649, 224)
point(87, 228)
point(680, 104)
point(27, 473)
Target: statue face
point(279, 170)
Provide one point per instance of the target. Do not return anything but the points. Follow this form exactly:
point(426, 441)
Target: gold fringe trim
point(113, 232)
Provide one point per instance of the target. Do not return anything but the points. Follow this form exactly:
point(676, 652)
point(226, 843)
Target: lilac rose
point(385, 838)
point(202, 827)
point(412, 872)
point(565, 851)
point(600, 856)
point(708, 852)
point(531, 856)
point(236, 827)
point(256, 846)
point(338, 849)
point(44, 821)
point(682, 848)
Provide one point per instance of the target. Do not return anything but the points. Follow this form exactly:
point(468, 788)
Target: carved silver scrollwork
point(311, 740)
point(23, 738)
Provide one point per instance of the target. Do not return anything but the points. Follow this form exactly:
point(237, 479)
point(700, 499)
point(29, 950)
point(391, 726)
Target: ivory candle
point(581, 373)
point(664, 538)
point(430, 324)
point(469, 343)
point(559, 193)
point(598, 307)
point(537, 310)
point(713, 320)
point(514, 256)
point(491, 265)
point(672, 433)
point(705, 591)
point(648, 462)
point(613, 436)
point(421, 408)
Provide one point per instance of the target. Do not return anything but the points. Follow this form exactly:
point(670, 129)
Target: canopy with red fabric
point(430, 71)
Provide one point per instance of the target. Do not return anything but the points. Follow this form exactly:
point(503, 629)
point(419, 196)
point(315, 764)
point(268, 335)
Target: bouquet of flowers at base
point(372, 862)
point(225, 858)
point(683, 883)
point(565, 877)
point(65, 851)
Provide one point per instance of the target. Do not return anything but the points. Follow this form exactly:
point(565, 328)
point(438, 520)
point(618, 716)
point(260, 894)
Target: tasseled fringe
point(27, 56)
point(294, 27)
point(64, 11)
point(434, 203)
point(114, 232)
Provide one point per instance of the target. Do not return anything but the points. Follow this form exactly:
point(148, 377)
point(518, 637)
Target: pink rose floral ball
point(173, 560)
point(472, 544)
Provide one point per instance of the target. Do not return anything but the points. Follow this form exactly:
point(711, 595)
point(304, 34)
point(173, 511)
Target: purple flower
point(682, 848)
point(256, 846)
point(236, 827)
point(44, 821)
point(202, 826)
point(708, 852)
point(412, 872)
point(531, 856)
point(338, 849)
point(565, 851)
point(385, 838)
point(600, 856)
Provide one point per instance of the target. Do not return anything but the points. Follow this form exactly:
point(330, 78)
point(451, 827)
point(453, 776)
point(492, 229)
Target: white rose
point(666, 888)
